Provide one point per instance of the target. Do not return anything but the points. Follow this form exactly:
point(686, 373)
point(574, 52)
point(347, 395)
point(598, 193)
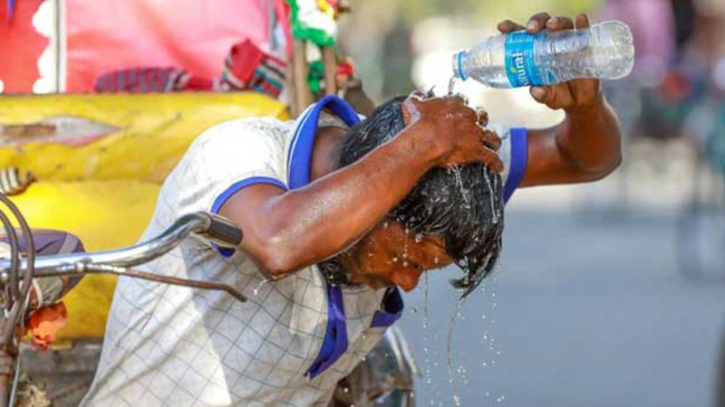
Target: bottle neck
point(458, 72)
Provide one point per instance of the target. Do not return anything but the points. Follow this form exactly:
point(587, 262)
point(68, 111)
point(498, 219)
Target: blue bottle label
point(520, 65)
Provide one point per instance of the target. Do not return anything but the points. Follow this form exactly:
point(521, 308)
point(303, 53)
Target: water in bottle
point(518, 59)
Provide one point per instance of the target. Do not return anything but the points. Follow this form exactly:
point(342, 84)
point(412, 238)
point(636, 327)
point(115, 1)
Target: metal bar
point(128, 257)
point(303, 96)
point(85, 268)
point(330, 62)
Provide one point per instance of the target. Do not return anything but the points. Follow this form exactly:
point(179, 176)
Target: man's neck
point(325, 156)
point(326, 152)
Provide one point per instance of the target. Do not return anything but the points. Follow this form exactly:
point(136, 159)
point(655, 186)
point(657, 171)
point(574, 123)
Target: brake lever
point(78, 269)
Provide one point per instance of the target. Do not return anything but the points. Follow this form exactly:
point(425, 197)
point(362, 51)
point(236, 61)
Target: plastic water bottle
point(518, 59)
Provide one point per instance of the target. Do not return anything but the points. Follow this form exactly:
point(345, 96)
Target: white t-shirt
point(289, 344)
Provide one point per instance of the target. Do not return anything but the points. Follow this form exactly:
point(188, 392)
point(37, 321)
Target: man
point(337, 219)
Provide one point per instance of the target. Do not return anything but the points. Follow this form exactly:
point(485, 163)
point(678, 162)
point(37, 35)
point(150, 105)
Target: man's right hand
point(451, 131)
point(288, 230)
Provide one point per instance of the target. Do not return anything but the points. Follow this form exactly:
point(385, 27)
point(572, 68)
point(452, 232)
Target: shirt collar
point(299, 159)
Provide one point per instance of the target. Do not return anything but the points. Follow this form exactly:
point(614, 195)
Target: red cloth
point(115, 35)
point(246, 67)
point(45, 323)
point(20, 47)
point(244, 59)
point(195, 35)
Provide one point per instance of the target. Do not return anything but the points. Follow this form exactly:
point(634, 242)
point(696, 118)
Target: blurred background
point(611, 293)
point(608, 294)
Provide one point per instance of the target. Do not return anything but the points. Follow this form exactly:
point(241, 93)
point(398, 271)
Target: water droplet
point(385, 225)
point(452, 85)
point(345, 389)
point(418, 238)
point(449, 352)
point(436, 260)
point(500, 399)
point(487, 394)
point(405, 263)
point(256, 289)
point(395, 259)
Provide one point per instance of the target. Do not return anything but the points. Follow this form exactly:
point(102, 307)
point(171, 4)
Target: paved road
point(585, 312)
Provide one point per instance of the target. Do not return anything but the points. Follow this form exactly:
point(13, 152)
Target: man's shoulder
point(260, 137)
point(261, 126)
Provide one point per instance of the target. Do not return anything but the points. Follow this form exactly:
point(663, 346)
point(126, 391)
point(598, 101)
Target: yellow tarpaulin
point(100, 161)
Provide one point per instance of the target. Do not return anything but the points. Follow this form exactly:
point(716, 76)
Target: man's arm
point(586, 145)
point(285, 231)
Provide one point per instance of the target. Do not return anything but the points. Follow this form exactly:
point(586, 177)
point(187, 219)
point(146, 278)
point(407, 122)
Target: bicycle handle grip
point(224, 231)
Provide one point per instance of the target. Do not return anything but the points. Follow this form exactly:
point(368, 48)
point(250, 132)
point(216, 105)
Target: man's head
point(452, 215)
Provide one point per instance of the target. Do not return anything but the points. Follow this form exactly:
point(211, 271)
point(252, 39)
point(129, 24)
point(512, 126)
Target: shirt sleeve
point(225, 159)
point(514, 154)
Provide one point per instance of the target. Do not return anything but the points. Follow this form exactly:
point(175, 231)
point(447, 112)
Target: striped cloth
point(146, 80)
point(246, 67)
point(13, 183)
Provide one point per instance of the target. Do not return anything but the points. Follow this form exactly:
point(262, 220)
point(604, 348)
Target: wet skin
point(344, 210)
point(388, 255)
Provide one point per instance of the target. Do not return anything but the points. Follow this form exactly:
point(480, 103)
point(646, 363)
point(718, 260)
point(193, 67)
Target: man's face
point(390, 256)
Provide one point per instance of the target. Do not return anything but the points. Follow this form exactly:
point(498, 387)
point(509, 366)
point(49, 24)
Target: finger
point(508, 26)
point(465, 113)
point(559, 23)
point(482, 116)
point(539, 94)
point(491, 140)
point(554, 98)
point(582, 21)
point(458, 105)
point(585, 91)
point(492, 160)
point(457, 95)
point(461, 97)
point(537, 23)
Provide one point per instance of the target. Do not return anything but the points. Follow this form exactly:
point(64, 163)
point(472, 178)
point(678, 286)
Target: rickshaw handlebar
point(211, 226)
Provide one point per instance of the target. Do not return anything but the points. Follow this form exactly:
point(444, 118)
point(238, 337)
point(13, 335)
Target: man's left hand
point(571, 96)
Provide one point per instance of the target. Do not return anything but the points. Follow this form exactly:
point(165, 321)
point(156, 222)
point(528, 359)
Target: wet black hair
point(464, 205)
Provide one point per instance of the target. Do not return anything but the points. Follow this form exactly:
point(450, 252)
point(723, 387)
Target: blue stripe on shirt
point(519, 157)
point(236, 187)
